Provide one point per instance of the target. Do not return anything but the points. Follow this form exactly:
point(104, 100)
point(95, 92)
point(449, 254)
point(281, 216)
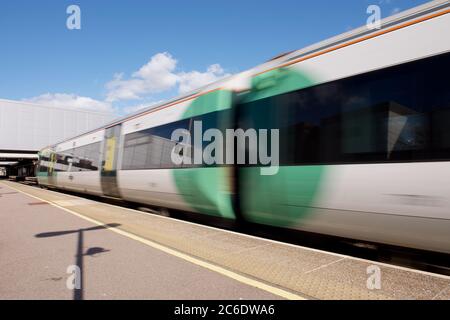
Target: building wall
point(27, 126)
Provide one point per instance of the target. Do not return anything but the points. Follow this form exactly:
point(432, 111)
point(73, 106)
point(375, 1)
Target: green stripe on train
point(282, 199)
point(275, 82)
point(286, 198)
point(207, 190)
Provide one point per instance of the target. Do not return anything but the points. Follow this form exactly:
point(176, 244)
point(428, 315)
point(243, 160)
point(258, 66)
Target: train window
point(161, 145)
point(84, 158)
point(151, 148)
point(63, 160)
point(43, 161)
point(220, 120)
point(77, 159)
point(395, 114)
point(140, 152)
point(42, 166)
point(93, 156)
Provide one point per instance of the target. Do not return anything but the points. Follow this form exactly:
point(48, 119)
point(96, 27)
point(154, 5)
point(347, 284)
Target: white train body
point(405, 203)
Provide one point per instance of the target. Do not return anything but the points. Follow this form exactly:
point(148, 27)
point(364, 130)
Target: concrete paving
point(39, 239)
point(38, 242)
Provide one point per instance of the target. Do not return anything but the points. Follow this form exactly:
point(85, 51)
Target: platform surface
point(128, 254)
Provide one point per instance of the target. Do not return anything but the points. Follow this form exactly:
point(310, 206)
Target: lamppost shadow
point(78, 293)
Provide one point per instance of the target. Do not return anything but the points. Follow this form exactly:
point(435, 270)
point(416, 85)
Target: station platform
point(129, 254)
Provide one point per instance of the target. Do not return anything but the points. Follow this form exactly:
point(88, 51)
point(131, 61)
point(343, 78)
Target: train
point(363, 122)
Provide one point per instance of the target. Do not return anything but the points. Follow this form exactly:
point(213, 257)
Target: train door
point(109, 162)
point(208, 188)
point(51, 169)
point(286, 196)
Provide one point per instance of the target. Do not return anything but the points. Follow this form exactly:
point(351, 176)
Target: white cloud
point(192, 80)
point(159, 75)
point(153, 77)
point(395, 11)
point(71, 101)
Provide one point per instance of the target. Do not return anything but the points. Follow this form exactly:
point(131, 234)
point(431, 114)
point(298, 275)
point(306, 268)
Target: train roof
point(296, 56)
point(386, 23)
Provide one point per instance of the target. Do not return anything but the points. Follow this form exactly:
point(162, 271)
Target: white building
point(26, 127)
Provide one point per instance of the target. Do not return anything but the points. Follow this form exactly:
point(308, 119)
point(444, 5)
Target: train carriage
point(364, 149)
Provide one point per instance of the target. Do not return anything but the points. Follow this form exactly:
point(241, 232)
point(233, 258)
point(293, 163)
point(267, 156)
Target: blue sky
point(133, 53)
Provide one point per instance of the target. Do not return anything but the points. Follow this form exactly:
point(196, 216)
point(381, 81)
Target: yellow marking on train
point(110, 149)
point(230, 274)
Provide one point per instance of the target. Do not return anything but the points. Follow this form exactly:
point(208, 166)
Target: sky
point(134, 53)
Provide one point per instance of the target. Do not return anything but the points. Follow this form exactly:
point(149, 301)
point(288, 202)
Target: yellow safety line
point(235, 276)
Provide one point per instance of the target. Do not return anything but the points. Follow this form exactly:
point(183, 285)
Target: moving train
point(364, 140)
